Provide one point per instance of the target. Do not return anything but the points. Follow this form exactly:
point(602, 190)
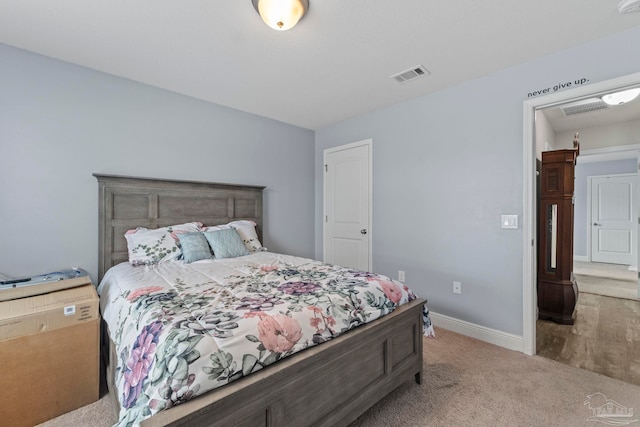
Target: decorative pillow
point(216, 227)
point(247, 230)
point(194, 247)
point(226, 243)
point(151, 246)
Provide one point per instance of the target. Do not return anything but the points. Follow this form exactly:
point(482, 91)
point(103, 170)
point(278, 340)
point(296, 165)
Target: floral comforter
point(183, 329)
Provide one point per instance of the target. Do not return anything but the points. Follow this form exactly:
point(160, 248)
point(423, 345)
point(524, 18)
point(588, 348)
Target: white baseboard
point(492, 336)
point(583, 258)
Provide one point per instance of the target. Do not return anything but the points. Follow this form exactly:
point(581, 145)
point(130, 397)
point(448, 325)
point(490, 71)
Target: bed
point(325, 378)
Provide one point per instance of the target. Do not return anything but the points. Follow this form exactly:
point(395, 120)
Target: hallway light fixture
point(622, 97)
point(281, 15)
point(629, 6)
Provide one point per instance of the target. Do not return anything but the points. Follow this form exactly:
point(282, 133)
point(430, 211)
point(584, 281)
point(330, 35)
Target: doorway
point(529, 191)
point(609, 231)
point(612, 212)
point(605, 260)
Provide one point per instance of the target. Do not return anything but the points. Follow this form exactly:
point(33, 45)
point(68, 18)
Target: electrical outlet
point(457, 287)
point(401, 276)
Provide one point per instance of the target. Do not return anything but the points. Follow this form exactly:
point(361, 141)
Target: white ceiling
point(610, 115)
point(334, 65)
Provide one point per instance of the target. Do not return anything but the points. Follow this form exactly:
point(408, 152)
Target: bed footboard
point(327, 385)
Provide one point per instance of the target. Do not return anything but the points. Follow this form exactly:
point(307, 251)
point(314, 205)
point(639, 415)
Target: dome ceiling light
point(281, 15)
point(622, 97)
point(629, 6)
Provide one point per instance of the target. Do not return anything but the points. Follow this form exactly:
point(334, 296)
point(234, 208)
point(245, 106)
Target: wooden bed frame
point(326, 385)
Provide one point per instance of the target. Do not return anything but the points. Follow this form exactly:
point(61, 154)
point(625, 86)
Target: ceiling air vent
point(410, 74)
point(584, 106)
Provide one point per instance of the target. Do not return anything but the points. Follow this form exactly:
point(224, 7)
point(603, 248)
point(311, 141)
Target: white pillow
point(151, 246)
point(216, 227)
point(247, 230)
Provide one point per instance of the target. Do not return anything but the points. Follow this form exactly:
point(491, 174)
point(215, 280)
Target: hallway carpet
point(612, 280)
point(605, 337)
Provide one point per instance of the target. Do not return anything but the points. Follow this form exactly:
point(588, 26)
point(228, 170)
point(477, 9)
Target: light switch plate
point(457, 287)
point(509, 221)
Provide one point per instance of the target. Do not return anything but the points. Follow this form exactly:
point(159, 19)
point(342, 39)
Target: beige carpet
point(466, 383)
point(605, 337)
point(601, 269)
point(610, 280)
point(607, 287)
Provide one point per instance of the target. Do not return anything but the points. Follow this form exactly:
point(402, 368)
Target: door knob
point(363, 231)
point(596, 224)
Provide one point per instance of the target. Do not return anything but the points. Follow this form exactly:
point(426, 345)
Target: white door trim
point(529, 294)
point(589, 188)
point(369, 143)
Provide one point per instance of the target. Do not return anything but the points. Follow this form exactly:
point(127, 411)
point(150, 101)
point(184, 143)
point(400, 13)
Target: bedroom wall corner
point(60, 123)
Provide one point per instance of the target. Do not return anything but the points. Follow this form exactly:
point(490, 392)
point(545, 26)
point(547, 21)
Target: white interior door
point(613, 219)
point(347, 205)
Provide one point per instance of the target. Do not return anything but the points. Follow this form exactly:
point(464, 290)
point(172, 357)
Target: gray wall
point(583, 172)
point(447, 165)
point(59, 123)
point(597, 137)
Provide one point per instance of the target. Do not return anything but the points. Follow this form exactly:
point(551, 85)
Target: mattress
point(182, 329)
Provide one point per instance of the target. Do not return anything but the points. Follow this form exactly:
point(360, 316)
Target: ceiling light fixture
point(618, 98)
point(281, 15)
point(629, 6)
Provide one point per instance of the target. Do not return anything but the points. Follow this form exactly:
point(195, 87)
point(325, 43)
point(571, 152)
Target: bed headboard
point(129, 202)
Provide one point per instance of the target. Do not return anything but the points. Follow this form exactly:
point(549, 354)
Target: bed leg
point(419, 378)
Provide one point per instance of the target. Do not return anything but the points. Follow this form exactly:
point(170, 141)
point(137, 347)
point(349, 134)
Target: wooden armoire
point(557, 288)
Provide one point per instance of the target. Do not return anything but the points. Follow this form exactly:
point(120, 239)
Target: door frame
point(529, 240)
point(365, 142)
point(634, 248)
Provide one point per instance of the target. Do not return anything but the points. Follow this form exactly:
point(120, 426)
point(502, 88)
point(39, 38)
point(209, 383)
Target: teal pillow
point(194, 247)
point(226, 243)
